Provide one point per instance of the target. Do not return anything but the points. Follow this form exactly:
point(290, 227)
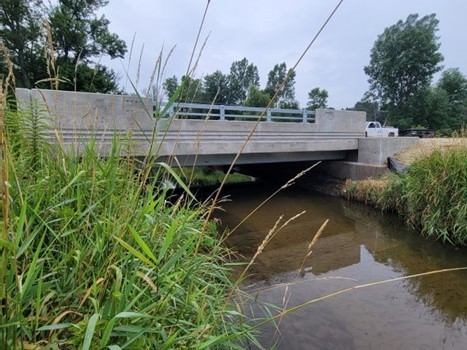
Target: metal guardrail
point(238, 113)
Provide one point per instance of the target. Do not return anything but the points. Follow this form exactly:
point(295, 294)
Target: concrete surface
point(376, 150)
point(353, 170)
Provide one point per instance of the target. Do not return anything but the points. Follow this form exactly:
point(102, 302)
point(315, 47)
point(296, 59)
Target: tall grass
point(96, 256)
point(431, 196)
point(435, 195)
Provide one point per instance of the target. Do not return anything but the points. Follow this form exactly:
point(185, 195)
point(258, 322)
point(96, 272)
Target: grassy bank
point(94, 256)
point(431, 196)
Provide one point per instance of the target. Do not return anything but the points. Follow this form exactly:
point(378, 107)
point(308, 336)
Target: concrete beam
point(251, 158)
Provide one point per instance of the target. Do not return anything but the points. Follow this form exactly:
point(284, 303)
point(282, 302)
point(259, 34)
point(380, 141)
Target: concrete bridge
point(207, 135)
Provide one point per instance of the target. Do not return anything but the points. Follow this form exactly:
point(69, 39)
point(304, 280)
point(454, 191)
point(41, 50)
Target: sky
point(268, 32)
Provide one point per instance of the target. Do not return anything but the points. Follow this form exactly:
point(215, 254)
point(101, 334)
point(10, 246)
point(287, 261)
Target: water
point(358, 246)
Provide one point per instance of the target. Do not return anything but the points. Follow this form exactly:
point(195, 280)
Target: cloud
point(271, 31)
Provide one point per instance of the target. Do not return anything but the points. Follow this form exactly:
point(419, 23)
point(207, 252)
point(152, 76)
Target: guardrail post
point(305, 115)
point(268, 115)
point(222, 112)
point(171, 111)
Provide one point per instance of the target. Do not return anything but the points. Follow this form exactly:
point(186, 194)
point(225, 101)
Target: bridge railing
point(238, 113)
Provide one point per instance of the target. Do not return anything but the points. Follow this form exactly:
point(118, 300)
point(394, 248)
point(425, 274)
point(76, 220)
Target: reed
point(431, 196)
point(95, 256)
point(435, 195)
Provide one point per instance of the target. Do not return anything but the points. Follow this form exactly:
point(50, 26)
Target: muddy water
point(358, 246)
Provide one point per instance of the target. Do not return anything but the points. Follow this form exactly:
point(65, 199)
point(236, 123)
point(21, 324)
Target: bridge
point(206, 135)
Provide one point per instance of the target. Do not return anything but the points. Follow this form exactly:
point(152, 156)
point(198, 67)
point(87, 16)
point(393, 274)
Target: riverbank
point(95, 255)
point(431, 196)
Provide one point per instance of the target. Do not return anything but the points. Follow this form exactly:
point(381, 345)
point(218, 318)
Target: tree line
point(242, 87)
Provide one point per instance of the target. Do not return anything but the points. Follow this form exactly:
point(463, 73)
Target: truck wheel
point(366, 134)
point(391, 134)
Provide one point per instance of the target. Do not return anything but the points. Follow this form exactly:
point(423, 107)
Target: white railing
point(238, 113)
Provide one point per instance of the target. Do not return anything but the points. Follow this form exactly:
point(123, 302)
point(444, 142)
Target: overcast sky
point(267, 32)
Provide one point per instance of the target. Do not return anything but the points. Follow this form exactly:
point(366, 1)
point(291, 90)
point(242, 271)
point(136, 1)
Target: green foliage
point(257, 98)
point(241, 86)
point(78, 38)
point(370, 107)
point(79, 34)
point(317, 98)
point(402, 63)
point(444, 105)
point(21, 25)
point(216, 88)
point(209, 176)
point(83, 77)
point(275, 79)
point(96, 257)
point(170, 86)
point(241, 78)
point(191, 90)
point(453, 85)
point(437, 110)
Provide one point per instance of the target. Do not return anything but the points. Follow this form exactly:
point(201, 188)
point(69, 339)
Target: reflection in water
point(358, 246)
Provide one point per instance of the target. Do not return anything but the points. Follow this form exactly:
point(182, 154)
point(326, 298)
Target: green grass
point(96, 257)
point(435, 195)
point(209, 176)
point(431, 196)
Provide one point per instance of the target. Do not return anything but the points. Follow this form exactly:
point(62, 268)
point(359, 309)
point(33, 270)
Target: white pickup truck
point(374, 129)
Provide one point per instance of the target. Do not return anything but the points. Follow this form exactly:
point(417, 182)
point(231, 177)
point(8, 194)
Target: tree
point(437, 110)
point(455, 84)
point(241, 78)
point(79, 37)
point(447, 102)
point(191, 90)
point(275, 78)
point(257, 98)
point(402, 63)
point(371, 108)
point(317, 98)
point(21, 25)
point(170, 85)
point(216, 88)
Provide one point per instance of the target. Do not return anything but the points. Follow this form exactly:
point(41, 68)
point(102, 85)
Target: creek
point(358, 246)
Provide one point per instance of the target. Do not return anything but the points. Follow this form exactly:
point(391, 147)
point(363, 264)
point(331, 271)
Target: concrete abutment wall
point(371, 159)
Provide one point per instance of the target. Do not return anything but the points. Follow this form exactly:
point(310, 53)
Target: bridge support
point(371, 160)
